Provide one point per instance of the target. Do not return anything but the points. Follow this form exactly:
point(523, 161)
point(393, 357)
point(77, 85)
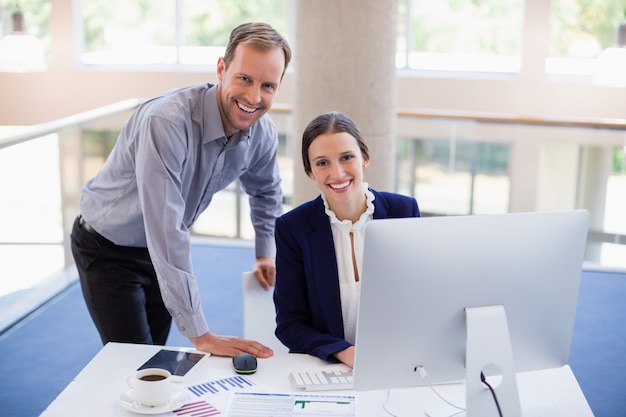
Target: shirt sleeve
point(159, 157)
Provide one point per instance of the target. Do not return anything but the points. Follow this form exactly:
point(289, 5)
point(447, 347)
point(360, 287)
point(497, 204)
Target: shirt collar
point(213, 128)
point(347, 224)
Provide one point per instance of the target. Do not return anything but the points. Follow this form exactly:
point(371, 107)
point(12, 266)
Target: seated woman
point(320, 243)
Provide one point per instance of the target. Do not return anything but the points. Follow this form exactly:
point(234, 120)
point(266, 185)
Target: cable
point(424, 376)
point(386, 402)
point(493, 392)
point(483, 379)
point(461, 410)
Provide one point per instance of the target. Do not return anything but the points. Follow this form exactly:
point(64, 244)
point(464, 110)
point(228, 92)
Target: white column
point(345, 61)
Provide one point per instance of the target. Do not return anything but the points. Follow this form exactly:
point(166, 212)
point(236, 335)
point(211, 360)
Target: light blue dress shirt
point(171, 157)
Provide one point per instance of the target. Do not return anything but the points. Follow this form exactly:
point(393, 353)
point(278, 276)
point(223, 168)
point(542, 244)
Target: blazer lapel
point(324, 261)
point(381, 205)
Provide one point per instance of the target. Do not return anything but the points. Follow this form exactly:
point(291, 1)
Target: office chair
point(259, 315)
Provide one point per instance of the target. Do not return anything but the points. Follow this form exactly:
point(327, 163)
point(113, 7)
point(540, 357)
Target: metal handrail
point(76, 120)
point(80, 119)
point(485, 117)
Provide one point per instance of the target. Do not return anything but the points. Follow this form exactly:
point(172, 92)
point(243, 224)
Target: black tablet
point(180, 363)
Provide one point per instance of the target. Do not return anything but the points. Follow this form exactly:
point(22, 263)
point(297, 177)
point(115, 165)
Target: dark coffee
point(152, 378)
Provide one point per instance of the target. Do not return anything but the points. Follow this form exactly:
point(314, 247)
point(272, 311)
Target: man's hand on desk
point(265, 272)
point(230, 346)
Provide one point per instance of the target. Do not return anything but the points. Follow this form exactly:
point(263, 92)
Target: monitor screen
point(421, 274)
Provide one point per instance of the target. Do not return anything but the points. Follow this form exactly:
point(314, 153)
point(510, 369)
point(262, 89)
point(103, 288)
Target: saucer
point(130, 402)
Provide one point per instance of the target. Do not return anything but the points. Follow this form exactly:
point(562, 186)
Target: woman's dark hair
point(331, 122)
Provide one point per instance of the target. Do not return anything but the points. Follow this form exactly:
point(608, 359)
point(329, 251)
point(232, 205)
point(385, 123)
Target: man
point(131, 241)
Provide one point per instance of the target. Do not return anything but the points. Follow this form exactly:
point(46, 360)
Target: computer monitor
point(513, 278)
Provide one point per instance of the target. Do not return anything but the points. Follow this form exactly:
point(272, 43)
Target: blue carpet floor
point(42, 355)
point(598, 352)
point(48, 349)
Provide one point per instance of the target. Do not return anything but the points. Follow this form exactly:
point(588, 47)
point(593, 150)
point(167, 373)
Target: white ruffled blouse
point(349, 279)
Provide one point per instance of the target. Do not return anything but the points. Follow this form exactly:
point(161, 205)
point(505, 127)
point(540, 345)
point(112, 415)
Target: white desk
point(96, 389)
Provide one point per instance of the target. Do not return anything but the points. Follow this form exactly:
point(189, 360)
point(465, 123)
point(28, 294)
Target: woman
point(320, 243)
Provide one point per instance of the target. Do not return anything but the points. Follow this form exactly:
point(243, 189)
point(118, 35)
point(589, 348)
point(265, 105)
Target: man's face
point(248, 86)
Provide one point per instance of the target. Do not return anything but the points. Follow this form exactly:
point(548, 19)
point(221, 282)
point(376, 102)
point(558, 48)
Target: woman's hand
point(346, 356)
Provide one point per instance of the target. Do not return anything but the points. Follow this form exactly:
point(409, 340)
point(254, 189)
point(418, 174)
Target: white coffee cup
point(152, 386)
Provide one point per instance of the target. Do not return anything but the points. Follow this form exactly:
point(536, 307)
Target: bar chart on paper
point(291, 405)
point(229, 384)
point(197, 409)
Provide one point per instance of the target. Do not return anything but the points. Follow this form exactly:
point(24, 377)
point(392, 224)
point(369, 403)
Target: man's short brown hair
point(260, 36)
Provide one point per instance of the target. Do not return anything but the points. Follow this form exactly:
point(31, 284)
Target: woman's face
point(337, 167)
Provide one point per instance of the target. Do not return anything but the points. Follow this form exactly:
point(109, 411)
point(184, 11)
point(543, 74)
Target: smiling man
point(131, 240)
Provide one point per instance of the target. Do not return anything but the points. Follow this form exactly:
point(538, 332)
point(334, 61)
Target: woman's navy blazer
point(306, 296)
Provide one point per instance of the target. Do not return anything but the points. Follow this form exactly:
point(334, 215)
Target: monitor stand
point(489, 346)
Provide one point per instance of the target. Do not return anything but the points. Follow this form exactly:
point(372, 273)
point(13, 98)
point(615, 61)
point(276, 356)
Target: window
point(580, 30)
point(167, 32)
point(450, 177)
point(36, 16)
point(460, 35)
point(615, 221)
point(24, 35)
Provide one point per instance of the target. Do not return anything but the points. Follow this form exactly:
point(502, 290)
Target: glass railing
point(453, 163)
point(473, 163)
point(43, 168)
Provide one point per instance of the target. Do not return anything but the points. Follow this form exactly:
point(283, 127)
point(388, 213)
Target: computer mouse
point(245, 363)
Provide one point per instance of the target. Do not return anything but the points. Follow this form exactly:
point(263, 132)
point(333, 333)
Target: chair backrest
point(259, 315)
